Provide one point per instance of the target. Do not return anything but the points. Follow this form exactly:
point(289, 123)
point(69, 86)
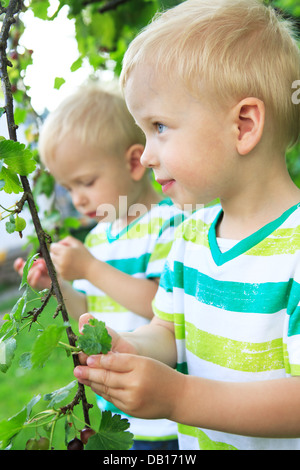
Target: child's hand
point(119, 343)
point(70, 258)
point(137, 385)
point(38, 277)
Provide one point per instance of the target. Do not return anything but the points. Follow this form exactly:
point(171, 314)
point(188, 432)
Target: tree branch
point(13, 9)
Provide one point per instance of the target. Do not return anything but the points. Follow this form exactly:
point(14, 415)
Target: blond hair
point(96, 116)
point(239, 48)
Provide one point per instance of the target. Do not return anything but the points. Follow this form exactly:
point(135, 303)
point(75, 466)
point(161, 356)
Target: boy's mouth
point(92, 215)
point(165, 184)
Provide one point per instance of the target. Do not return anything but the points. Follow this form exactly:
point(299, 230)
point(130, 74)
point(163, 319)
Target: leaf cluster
point(95, 338)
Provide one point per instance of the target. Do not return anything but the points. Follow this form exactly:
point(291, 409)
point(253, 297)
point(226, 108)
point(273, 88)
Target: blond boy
point(92, 147)
point(210, 84)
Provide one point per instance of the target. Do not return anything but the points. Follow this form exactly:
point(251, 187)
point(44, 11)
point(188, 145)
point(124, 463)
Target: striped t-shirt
point(236, 311)
point(140, 250)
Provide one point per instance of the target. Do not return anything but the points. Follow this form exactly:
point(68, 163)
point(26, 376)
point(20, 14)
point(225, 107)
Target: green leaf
point(40, 8)
point(25, 360)
point(77, 64)
point(58, 395)
point(20, 116)
point(45, 344)
point(12, 182)
point(7, 353)
point(26, 269)
point(17, 157)
point(58, 82)
point(112, 434)
point(10, 227)
point(12, 426)
point(95, 338)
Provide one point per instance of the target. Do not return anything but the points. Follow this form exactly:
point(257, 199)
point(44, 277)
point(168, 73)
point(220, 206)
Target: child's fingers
point(83, 320)
point(104, 368)
point(18, 265)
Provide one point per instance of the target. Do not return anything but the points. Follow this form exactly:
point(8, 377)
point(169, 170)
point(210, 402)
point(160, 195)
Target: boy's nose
point(148, 158)
point(78, 199)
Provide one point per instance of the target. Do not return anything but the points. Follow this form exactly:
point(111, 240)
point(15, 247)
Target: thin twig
point(11, 11)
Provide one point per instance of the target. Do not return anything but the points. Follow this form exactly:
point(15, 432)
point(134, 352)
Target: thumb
point(83, 320)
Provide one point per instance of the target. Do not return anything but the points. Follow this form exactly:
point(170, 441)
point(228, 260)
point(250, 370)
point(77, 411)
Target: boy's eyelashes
point(81, 183)
point(160, 127)
point(89, 183)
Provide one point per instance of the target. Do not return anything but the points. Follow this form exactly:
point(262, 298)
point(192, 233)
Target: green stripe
point(295, 369)
point(194, 231)
point(94, 239)
point(237, 355)
point(137, 229)
point(170, 437)
point(104, 304)
point(161, 251)
point(205, 443)
point(182, 367)
point(131, 265)
point(247, 243)
point(268, 297)
point(162, 315)
point(282, 241)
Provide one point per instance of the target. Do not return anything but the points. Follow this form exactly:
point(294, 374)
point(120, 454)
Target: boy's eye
point(160, 127)
point(90, 183)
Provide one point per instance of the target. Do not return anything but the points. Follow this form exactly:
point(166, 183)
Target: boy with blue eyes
point(210, 85)
point(92, 147)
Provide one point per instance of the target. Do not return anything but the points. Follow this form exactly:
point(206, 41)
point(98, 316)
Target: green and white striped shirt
point(236, 312)
point(139, 250)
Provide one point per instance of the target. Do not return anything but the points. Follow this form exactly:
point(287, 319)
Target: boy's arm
point(75, 301)
point(73, 261)
point(147, 388)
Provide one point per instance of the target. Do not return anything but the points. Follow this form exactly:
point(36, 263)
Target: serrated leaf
point(45, 344)
point(17, 157)
point(12, 182)
point(58, 395)
point(95, 338)
point(7, 353)
point(112, 434)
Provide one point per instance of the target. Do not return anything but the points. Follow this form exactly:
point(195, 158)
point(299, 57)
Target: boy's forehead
point(148, 89)
point(148, 84)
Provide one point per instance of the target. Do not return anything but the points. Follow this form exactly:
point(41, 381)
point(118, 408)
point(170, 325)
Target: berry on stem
point(75, 444)
point(85, 434)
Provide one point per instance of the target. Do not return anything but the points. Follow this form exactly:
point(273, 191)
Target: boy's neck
point(257, 204)
point(147, 198)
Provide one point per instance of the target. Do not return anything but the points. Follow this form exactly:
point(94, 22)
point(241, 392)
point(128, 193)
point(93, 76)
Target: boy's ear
point(133, 161)
point(250, 121)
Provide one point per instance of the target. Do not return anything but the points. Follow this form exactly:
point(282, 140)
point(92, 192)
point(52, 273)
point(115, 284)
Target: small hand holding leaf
point(95, 338)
